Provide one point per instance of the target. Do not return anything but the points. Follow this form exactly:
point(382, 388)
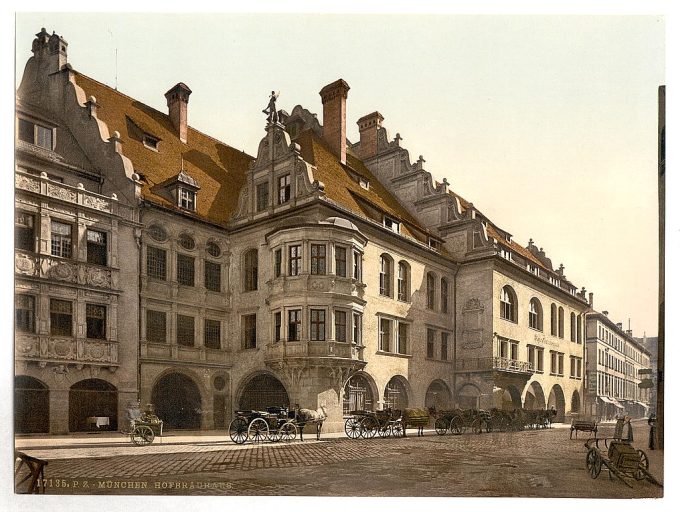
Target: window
point(317, 324)
point(553, 320)
point(572, 366)
point(340, 261)
point(95, 317)
point(96, 247)
point(572, 327)
point(277, 326)
point(155, 263)
point(356, 328)
point(213, 249)
point(340, 326)
point(155, 326)
point(157, 233)
point(277, 263)
point(186, 242)
point(535, 314)
point(187, 199)
point(553, 362)
point(539, 360)
point(150, 142)
point(560, 318)
point(61, 239)
point(318, 259)
point(212, 277)
point(403, 281)
point(514, 351)
point(385, 275)
point(356, 270)
point(24, 313)
point(262, 193)
point(445, 346)
point(560, 363)
point(250, 270)
point(444, 292)
point(430, 343)
point(185, 270)
point(61, 317)
point(185, 330)
point(391, 224)
point(402, 338)
point(294, 324)
point(503, 348)
point(294, 260)
point(284, 189)
point(24, 231)
point(508, 304)
point(385, 333)
point(212, 334)
point(578, 329)
point(430, 290)
point(35, 134)
point(531, 356)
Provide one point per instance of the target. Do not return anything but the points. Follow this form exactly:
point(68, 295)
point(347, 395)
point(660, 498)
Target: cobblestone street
point(542, 463)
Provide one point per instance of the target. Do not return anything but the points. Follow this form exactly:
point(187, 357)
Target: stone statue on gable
point(272, 114)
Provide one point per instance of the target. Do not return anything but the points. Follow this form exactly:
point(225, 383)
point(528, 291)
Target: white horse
point(317, 418)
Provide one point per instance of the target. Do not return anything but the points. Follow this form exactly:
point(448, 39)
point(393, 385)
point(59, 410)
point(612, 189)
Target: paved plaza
point(540, 463)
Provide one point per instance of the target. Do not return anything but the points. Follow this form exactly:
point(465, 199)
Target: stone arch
point(92, 398)
point(397, 394)
point(468, 396)
point(438, 395)
point(31, 405)
point(534, 398)
point(177, 400)
point(575, 402)
point(511, 398)
point(360, 393)
point(261, 390)
point(556, 401)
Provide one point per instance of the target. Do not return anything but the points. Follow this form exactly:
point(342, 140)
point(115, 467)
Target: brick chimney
point(368, 133)
point(178, 99)
point(334, 99)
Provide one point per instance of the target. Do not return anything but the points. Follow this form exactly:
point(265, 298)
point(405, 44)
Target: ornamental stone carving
point(97, 277)
point(63, 271)
point(97, 203)
point(27, 183)
point(24, 264)
point(61, 193)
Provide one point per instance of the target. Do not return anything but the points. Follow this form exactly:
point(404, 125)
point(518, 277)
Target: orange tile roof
point(219, 169)
point(514, 246)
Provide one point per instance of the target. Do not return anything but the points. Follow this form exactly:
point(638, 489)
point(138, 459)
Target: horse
point(304, 416)
point(415, 418)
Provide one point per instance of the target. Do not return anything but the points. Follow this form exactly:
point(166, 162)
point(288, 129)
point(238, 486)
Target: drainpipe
point(455, 331)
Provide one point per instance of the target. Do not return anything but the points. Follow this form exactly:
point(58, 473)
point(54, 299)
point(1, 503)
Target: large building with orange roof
point(318, 272)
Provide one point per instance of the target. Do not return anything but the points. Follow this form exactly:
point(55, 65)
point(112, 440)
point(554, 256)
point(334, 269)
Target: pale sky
point(547, 123)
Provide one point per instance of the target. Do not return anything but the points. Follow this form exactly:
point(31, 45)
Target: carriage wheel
point(398, 429)
point(593, 463)
point(288, 432)
point(274, 436)
point(369, 427)
point(142, 435)
point(238, 430)
point(476, 426)
point(258, 430)
point(441, 426)
point(353, 428)
point(643, 466)
point(456, 425)
point(385, 430)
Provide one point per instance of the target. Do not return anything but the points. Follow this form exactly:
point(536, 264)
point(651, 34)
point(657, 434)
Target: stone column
point(59, 408)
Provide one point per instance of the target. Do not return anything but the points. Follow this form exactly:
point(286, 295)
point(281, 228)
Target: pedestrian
point(630, 429)
point(652, 431)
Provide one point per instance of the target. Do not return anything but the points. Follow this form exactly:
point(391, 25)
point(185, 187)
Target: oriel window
point(24, 231)
point(294, 260)
point(340, 326)
point(96, 321)
point(318, 259)
point(277, 263)
point(96, 247)
point(317, 324)
point(340, 261)
point(24, 309)
point(61, 242)
point(277, 326)
point(294, 324)
point(61, 317)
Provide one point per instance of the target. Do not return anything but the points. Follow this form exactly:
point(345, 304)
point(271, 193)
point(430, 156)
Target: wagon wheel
point(643, 466)
point(238, 430)
point(353, 428)
point(274, 436)
point(142, 435)
point(258, 430)
point(593, 463)
point(456, 425)
point(476, 426)
point(369, 427)
point(441, 426)
point(385, 430)
point(288, 432)
point(398, 429)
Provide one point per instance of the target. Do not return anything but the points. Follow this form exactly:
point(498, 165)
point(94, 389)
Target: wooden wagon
point(366, 424)
point(622, 460)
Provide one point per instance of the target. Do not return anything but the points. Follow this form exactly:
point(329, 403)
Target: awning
point(612, 401)
point(616, 403)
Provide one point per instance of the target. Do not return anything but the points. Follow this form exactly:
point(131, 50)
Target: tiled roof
point(219, 169)
point(514, 246)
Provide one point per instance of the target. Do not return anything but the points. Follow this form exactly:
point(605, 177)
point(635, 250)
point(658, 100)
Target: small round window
point(186, 242)
point(213, 249)
point(219, 383)
point(157, 233)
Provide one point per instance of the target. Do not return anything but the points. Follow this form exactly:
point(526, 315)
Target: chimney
point(605, 313)
point(368, 133)
point(619, 325)
point(51, 50)
point(334, 99)
point(178, 99)
point(590, 300)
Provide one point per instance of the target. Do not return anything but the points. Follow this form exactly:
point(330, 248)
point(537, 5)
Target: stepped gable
point(219, 169)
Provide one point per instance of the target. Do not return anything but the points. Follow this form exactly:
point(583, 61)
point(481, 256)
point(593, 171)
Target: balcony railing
point(62, 349)
point(493, 363)
point(312, 349)
point(60, 269)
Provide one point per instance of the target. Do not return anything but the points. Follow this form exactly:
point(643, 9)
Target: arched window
point(403, 281)
point(444, 292)
point(578, 329)
point(561, 322)
point(385, 275)
point(430, 290)
point(508, 304)
point(250, 270)
point(553, 320)
point(535, 314)
point(572, 327)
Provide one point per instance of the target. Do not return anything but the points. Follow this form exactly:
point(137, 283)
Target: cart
point(367, 424)
point(275, 424)
point(143, 427)
point(622, 461)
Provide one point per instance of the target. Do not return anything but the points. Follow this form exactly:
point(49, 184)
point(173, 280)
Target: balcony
point(65, 270)
point(44, 349)
point(503, 364)
point(317, 351)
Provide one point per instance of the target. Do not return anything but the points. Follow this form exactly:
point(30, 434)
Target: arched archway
point(556, 401)
point(360, 394)
point(177, 401)
point(575, 402)
point(31, 406)
point(438, 395)
point(396, 395)
point(262, 391)
point(468, 396)
point(92, 398)
point(511, 399)
point(534, 397)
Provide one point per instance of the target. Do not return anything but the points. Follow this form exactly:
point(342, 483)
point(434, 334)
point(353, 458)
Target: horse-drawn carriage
point(459, 421)
point(367, 424)
point(274, 424)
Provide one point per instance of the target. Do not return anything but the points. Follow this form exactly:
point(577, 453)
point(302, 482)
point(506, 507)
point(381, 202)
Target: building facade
point(617, 363)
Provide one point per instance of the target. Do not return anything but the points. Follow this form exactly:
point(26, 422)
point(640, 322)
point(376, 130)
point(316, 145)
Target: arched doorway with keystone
point(177, 401)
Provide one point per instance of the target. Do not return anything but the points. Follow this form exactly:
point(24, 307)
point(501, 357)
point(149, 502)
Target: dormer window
point(506, 254)
point(533, 269)
point(183, 189)
point(554, 280)
point(187, 199)
point(150, 142)
point(391, 224)
point(434, 244)
point(35, 134)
